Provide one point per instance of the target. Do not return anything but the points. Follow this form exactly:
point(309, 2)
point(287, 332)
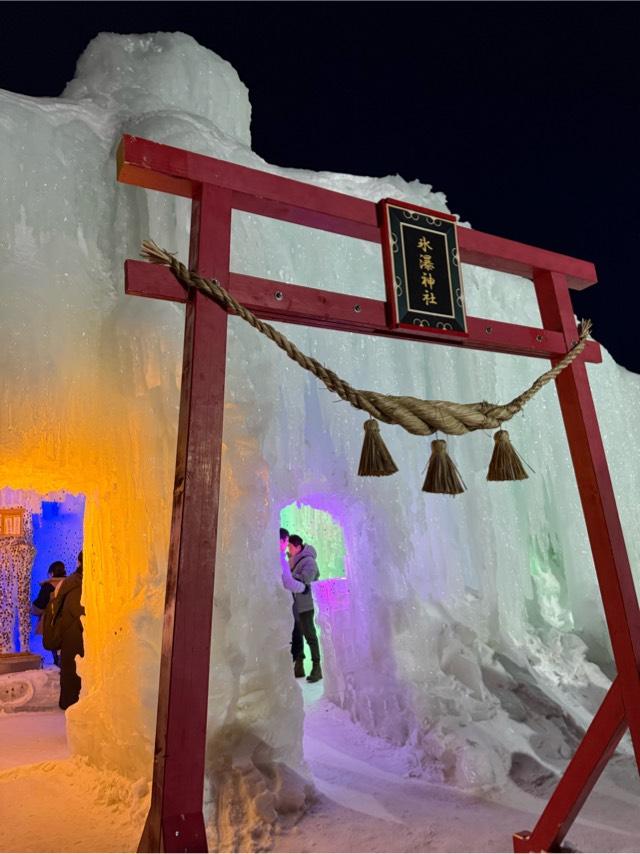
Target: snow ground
point(60, 803)
point(366, 801)
point(30, 737)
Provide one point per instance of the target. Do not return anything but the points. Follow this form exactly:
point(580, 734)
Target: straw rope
point(420, 417)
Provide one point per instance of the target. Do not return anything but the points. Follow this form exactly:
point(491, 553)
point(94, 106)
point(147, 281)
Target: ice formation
point(468, 632)
point(30, 690)
point(16, 560)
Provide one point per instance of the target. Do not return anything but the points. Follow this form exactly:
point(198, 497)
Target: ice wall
point(463, 617)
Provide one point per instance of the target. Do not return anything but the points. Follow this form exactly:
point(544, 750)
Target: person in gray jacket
point(298, 573)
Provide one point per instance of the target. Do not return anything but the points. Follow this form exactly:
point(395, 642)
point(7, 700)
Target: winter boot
point(298, 668)
point(316, 673)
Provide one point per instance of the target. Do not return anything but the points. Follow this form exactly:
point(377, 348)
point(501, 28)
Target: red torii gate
point(175, 821)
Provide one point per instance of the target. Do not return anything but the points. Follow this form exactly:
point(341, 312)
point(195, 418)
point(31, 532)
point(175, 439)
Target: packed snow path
point(366, 800)
point(60, 803)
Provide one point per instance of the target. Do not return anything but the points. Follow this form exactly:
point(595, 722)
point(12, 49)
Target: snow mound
point(162, 72)
point(30, 690)
point(107, 810)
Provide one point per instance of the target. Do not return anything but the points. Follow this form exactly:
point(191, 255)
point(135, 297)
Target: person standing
point(302, 572)
point(294, 587)
point(67, 612)
point(56, 572)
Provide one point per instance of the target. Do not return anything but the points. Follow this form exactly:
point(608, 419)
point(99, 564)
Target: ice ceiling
point(458, 611)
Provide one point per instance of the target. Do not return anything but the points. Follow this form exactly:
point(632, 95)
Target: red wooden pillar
point(594, 751)
point(175, 821)
point(621, 707)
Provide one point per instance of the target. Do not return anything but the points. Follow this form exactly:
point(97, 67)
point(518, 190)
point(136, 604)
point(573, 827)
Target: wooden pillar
point(614, 578)
point(594, 751)
point(175, 821)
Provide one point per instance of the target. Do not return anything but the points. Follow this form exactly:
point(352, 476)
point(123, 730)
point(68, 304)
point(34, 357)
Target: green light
point(320, 530)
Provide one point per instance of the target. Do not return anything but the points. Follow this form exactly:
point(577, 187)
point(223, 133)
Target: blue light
point(57, 535)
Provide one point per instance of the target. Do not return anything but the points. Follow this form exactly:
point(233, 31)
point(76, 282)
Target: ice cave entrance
point(324, 532)
point(52, 524)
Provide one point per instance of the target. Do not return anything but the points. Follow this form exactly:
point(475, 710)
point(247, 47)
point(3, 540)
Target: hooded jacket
point(305, 570)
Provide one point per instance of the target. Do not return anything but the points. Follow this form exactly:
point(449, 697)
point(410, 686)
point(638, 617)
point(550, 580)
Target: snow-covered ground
point(31, 737)
point(366, 800)
point(53, 801)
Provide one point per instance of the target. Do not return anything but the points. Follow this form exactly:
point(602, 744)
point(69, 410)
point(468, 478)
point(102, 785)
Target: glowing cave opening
point(35, 531)
point(323, 532)
point(320, 529)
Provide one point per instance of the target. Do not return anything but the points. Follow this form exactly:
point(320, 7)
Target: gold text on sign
point(426, 265)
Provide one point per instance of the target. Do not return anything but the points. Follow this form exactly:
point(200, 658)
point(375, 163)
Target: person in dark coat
point(56, 573)
point(68, 611)
point(303, 571)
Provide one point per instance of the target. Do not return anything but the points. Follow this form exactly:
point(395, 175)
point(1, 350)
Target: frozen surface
point(469, 632)
point(366, 798)
point(29, 738)
point(50, 801)
point(369, 801)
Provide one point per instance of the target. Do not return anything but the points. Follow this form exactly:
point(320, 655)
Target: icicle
point(375, 459)
point(442, 474)
point(505, 463)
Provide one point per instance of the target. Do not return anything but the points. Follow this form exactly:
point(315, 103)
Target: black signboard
point(422, 267)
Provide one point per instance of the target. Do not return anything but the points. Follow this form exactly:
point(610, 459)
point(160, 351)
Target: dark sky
point(524, 114)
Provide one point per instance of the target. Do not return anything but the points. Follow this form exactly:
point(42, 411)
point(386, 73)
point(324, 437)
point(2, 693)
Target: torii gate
point(175, 821)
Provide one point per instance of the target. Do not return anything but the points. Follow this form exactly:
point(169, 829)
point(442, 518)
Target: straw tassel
point(442, 475)
point(505, 463)
point(375, 459)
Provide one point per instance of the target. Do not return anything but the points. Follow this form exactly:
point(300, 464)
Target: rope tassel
point(375, 459)
point(505, 462)
point(442, 475)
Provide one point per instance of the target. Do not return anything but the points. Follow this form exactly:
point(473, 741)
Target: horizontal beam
point(271, 300)
point(305, 216)
point(509, 256)
point(174, 170)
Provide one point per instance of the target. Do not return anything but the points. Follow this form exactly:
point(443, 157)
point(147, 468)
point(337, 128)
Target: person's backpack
point(52, 624)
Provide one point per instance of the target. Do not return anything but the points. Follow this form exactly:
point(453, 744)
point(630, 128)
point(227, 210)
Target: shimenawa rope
point(420, 417)
point(416, 416)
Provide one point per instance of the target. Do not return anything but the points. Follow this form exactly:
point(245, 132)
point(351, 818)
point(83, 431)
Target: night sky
point(524, 114)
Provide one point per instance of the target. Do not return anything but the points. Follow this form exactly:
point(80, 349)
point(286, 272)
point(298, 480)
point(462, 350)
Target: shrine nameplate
point(422, 267)
point(12, 522)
